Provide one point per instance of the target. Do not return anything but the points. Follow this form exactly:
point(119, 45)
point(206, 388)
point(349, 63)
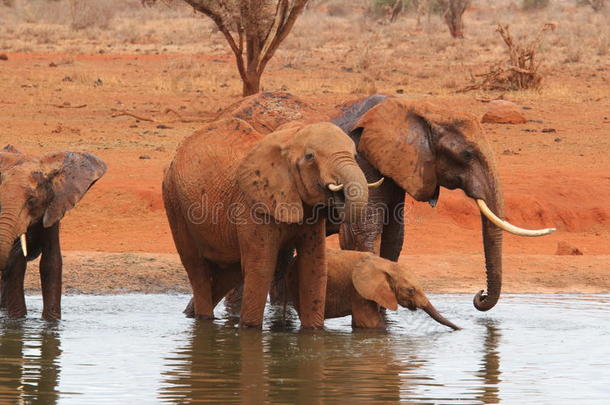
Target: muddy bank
point(119, 273)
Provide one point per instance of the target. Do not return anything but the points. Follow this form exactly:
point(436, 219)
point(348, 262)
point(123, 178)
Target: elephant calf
point(359, 283)
point(35, 193)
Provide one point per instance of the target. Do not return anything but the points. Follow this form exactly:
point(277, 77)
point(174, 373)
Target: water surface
point(140, 349)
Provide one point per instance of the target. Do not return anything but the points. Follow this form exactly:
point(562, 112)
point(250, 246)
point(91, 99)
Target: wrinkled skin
point(418, 148)
point(359, 284)
point(235, 197)
point(35, 193)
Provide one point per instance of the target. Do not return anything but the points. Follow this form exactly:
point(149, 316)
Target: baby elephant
point(359, 283)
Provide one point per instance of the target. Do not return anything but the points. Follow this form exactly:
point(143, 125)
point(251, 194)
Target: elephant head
point(423, 147)
point(40, 190)
point(312, 165)
point(388, 284)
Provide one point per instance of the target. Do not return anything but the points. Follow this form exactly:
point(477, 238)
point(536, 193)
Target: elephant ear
point(396, 138)
point(264, 176)
point(71, 174)
point(372, 283)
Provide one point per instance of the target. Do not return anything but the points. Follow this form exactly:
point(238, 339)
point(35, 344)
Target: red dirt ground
point(559, 179)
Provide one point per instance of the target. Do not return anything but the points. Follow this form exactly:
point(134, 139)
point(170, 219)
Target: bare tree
point(254, 30)
point(454, 9)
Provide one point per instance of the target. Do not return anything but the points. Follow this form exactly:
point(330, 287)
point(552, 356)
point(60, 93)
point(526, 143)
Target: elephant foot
point(51, 315)
point(189, 311)
point(247, 325)
point(17, 313)
point(201, 317)
point(312, 327)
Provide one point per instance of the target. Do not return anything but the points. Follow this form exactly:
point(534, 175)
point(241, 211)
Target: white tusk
point(24, 245)
point(335, 187)
point(507, 226)
point(377, 183)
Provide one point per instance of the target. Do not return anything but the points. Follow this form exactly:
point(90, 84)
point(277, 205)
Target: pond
point(140, 349)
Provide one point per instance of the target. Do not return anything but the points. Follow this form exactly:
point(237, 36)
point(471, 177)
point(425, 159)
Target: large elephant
point(234, 198)
point(421, 147)
point(418, 147)
point(358, 284)
point(35, 193)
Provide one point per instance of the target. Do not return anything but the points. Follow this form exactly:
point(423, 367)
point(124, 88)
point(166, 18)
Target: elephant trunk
point(434, 314)
point(492, 244)
point(8, 232)
point(355, 191)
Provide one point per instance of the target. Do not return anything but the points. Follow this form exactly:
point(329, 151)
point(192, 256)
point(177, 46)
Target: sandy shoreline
point(117, 273)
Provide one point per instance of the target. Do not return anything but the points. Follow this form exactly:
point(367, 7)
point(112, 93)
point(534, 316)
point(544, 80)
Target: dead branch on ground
point(520, 72)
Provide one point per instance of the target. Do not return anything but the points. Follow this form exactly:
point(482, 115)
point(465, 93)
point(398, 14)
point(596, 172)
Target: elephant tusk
point(335, 187)
point(24, 245)
point(507, 226)
point(377, 183)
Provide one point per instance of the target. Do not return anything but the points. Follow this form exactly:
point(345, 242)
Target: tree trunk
point(454, 10)
point(252, 84)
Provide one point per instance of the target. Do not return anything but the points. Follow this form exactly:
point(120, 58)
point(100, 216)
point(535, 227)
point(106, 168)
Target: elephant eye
point(309, 156)
point(32, 202)
point(467, 155)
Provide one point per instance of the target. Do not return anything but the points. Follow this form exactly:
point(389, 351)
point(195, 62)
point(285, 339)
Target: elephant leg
point(224, 281)
point(51, 273)
point(312, 275)
point(2, 294)
point(200, 276)
point(366, 314)
point(13, 287)
point(393, 234)
point(233, 299)
point(259, 251)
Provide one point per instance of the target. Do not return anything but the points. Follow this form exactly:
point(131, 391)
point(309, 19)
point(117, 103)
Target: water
point(140, 349)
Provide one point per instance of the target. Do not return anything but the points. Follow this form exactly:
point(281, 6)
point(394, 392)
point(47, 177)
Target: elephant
point(235, 197)
point(35, 193)
point(417, 147)
point(359, 284)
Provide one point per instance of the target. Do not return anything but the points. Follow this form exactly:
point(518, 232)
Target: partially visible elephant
point(235, 197)
point(35, 193)
point(359, 284)
point(418, 147)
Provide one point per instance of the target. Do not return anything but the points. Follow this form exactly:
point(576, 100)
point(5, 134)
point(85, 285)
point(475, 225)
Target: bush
point(534, 4)
point(381, 8)
point(90, 13)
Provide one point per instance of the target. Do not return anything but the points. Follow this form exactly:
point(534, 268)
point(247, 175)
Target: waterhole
point(140, 349)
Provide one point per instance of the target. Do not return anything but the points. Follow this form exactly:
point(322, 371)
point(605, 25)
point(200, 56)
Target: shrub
point(534, 4)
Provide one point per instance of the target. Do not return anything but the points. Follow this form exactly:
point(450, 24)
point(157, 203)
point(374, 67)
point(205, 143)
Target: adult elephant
point(421, 147)
point(235, 197)
point(418, 147)
point(35, 193)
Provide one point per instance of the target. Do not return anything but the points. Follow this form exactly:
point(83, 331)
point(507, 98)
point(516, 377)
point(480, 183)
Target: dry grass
point(343, 52)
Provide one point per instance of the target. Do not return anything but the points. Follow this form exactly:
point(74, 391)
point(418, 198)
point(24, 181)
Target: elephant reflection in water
point(25, 378)
point(490, 365)
point(219, 364)
point(223, 365)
